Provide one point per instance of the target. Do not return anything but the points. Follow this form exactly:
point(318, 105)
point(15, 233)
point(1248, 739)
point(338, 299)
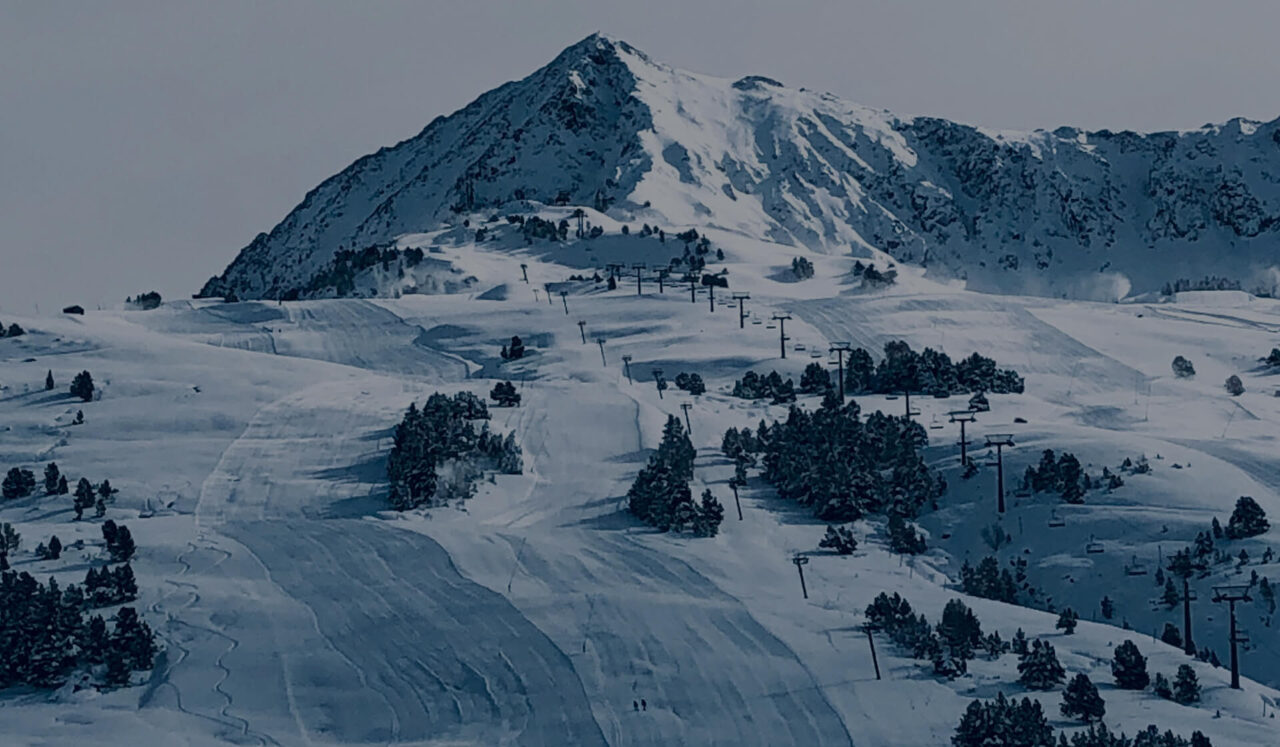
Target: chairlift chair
point(799, 347)
point(1093, 547)
point(757, 321)
point(1022, 493)
point(1056, 521)
point(891, 396)
point(1135, 568)
point(815, 354)
point(770, 326)
point(934, 425)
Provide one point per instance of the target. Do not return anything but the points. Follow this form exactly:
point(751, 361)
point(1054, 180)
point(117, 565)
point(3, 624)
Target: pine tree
point(55, 547)
point(63, 488)
point(1247, 520)
point(117, 673)
point(85, 497)
point(93, 639)
point(1080, 700)
point(1067, 621)
point(815, 379)
point(51, 478)
point(18, 483)
point(1170, 597)
point(82, 386)
point(1040, 669)
point(1161, 687)
point(106, 491)
point(903, 537)
point(1171, 635)
point(48, 381)
point(1186, 687)
point(123, 548)
point(1019, 643)
point(1108, 608)
point(710, 515)
point(1129, 667)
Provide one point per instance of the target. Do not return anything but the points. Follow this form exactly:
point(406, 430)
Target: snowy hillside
point(1095, 215)
point(249, 444)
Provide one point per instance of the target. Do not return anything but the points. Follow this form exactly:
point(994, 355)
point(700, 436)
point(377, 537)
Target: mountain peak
point(604, 126)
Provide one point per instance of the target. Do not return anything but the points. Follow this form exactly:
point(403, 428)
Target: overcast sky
point(142, 144)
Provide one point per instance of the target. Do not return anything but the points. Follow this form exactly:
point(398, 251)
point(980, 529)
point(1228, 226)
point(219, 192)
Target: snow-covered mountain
point(1068, 212)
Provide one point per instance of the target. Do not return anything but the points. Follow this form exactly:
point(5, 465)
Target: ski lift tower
point(801, 561)
point(742, 314)
point(626, 365)
point(840, 349)
point(962, 417)
point(1232, 593)
point(663, 272)
point(639, 267)
point(1000, 440)
point(781, 319)
point(658, 381)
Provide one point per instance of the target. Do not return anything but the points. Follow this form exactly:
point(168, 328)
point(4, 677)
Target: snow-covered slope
point(248, 441)
point(1067, 212)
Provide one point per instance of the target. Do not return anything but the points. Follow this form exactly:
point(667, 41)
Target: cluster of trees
point(839, 539)
point(514, 351)
point(802, 268)
point(1182, 368)
point(534, 227)
point(1185, 688)
point(771, 387)
point(20, 483)
point(119, 540)
point(505, 394)
point(904, 370)
point(873, 278)
point(1273, 359)
point(145, 301)
point(949, 645)
point(1207, 283)
point(340, 273)
point(1234, 386)
point(691, 383)
point(438, 452)
point(13, 330)
point(989, 581)
point(1007, 722)
point(47, 635)
point(841, 466)
point(660, 495)
point(106, 587)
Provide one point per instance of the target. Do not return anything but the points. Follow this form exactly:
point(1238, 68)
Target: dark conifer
point(1080, 700)
point(1129, 667)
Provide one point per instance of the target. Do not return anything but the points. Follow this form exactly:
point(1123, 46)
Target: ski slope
point(248, 442)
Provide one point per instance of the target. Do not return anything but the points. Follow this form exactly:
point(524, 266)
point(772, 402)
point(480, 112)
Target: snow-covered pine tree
point(1247, 520)
point(1040, 669)
point(1129, 667)
point(1067, 621)
point(1080, 700)
point(1186, 686)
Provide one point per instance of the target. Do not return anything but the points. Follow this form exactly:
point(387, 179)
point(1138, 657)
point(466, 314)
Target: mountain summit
point(1067, 212)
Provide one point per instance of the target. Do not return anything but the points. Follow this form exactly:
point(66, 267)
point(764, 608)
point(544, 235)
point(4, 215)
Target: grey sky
point(142, 144)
